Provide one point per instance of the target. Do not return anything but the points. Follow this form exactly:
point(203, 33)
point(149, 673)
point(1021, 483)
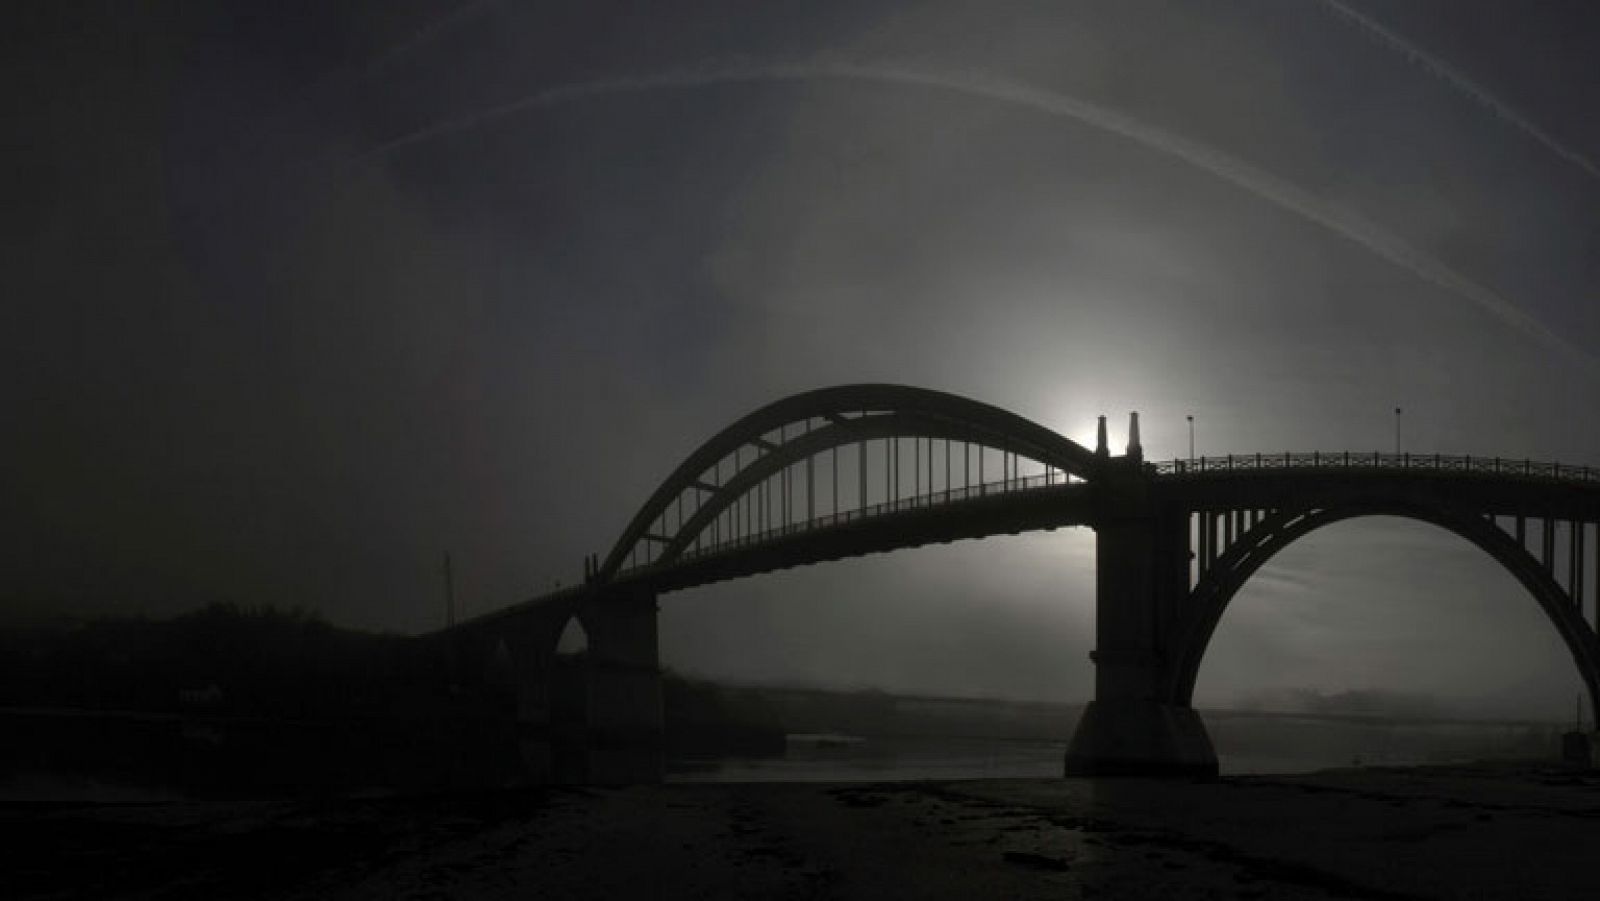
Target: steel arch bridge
point(858, 469)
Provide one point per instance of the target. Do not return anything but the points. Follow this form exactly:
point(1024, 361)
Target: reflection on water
point(841, 758)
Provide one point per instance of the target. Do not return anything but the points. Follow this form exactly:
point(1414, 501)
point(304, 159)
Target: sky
point(302, 296)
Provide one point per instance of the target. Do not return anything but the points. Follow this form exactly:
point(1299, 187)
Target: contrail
point(358, 73)
point(1442, 70)
point(253, 148)
point(426, 34)
point(1268, 187)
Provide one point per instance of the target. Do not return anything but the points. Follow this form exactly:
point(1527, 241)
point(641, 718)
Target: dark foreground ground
point(1442, 832)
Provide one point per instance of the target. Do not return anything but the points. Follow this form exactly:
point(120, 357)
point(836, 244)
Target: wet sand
point(1441, 832)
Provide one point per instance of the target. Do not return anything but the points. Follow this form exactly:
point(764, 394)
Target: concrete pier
point(1132, 728)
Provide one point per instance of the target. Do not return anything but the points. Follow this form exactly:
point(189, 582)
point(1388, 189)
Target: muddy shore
point(1436, 832)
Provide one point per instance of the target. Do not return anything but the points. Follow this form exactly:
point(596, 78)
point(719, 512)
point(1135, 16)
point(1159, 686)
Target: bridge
point(860, 469)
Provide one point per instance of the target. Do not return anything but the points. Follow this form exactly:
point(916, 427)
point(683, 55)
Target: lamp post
point(1190, 417)
point(1397, 431)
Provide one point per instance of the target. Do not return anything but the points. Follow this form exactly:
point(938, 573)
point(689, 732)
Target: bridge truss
point(837, 456)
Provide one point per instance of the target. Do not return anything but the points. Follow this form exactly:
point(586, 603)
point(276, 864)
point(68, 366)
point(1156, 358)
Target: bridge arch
point(573, 639)
point(1211, 596)
point(796, 430)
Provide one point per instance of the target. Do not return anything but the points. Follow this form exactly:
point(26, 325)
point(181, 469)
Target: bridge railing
point(882, 508)
point(1503, 466)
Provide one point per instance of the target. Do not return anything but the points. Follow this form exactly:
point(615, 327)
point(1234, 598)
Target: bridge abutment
point(594, 718)
point(529, 666)
point(624, 694)
point(1133, 727)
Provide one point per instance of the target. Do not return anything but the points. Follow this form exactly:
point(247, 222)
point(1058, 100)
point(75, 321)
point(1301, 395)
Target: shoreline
point(1495, 830)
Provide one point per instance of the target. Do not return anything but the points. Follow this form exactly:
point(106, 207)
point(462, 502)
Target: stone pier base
point(1141, 738)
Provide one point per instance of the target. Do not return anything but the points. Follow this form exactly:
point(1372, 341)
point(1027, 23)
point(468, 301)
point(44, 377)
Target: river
point(1288, 746)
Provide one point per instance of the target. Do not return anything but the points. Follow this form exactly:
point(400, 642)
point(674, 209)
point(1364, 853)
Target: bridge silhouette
point(860, 469)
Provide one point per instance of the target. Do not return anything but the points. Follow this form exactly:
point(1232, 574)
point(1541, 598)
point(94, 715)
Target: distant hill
point(224, 660)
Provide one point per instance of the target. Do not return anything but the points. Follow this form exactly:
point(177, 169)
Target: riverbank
point(1438, 832)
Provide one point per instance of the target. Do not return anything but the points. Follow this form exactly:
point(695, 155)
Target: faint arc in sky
point(425, 34)
point(253, 145)
point(1443, 71)
point(1265, 185)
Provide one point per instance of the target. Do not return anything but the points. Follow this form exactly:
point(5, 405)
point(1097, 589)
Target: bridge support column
point(528, 668)
point(1132, 728)
point(625, 714)
point(1141, 738)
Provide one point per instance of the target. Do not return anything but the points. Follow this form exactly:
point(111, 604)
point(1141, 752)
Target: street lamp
point(1397, 431)
point(1190, 417)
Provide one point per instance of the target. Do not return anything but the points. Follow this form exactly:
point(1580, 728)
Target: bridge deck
point(1053, 500)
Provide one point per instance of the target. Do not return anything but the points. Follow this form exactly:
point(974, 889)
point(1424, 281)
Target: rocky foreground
point(1439, 832)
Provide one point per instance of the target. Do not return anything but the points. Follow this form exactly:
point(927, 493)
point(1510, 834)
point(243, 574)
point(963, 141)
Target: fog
point(300, 302)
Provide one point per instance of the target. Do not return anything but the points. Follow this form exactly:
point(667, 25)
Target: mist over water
point(1284, 746)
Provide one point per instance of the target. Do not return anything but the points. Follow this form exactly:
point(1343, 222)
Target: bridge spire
point(1100, 448)
point(1135, 449)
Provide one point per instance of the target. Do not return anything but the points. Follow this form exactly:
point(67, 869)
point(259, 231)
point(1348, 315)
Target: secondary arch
point(1210, 598)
